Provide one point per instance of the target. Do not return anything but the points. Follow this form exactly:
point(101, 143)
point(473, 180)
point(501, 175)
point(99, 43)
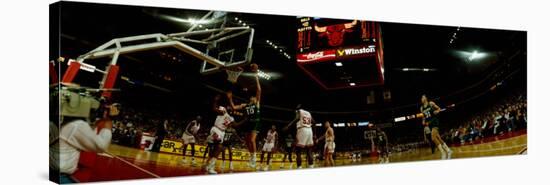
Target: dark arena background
point(363, 77)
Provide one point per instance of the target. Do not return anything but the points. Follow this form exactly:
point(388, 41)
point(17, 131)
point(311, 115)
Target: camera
point(77, 102)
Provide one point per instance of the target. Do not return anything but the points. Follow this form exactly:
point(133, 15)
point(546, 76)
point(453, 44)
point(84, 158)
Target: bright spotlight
point(339, 64)
point(264, 75)
point(475, 55)
point(351, 84)
point(403, 118)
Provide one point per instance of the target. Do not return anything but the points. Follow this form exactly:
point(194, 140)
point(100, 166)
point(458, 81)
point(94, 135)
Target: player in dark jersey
point(430, 112)
point(288, 149)
point(229, 140)
point(253, 125)
point(382, 144)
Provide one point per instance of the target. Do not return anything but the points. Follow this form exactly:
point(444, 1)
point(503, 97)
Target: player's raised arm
point(230, 99)
point(293, 121)
point(215, 106)
point(437, 109)
point(258, 89)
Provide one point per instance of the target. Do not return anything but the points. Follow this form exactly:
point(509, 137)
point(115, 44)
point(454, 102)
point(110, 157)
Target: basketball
point(254, 67)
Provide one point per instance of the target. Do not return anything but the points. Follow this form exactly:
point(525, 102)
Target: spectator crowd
point(507, 116)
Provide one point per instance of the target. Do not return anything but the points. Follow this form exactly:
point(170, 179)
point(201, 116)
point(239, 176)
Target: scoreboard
point(353, 42)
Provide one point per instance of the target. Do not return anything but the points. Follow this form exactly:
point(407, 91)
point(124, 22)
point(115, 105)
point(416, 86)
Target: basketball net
point(232, 75)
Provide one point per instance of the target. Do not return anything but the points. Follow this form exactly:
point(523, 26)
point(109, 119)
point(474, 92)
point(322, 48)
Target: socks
point(212, 163)
point(443, 152)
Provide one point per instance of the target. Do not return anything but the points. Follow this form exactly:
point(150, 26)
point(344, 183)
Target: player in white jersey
point(269, 146)
point(223, 120)
point(188, 138)
point(330, 145)
point(304, 135)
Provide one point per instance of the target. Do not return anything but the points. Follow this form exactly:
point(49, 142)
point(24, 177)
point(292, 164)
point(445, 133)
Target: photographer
point(76, 135)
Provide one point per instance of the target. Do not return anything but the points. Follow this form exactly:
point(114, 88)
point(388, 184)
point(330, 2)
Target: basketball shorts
point(188, 139)
point(434, 123)
point(304, 137)
point(330, 146)
point(216, 135)
point(268, 147)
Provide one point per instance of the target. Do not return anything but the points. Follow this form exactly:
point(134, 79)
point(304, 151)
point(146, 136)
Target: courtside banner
point(149, 92)
point(176, 148)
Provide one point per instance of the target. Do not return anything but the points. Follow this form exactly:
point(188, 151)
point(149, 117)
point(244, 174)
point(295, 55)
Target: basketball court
point(124, 163)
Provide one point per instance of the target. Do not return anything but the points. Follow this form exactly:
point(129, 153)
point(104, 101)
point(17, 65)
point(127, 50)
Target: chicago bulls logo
point(335, 33)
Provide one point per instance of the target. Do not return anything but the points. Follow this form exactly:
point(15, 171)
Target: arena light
point(474, 55)
point(339, 64)
point(191, 21)
point(194, 21)
point(405, 69)
point(278, 48)
point(403, 118)
point(365, 123)
point(264, 75)
point(351, 84)
point(455, 36)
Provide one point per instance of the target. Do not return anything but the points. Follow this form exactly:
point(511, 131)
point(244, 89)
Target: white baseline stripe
point(133, 165)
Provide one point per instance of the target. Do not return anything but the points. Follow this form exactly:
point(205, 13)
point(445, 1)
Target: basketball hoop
point(233, 74)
